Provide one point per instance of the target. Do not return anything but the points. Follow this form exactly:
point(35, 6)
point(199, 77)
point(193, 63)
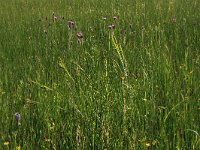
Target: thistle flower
point(18, 117)
point(71, 24)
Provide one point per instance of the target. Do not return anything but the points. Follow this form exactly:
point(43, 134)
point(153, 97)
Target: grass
point(134, 87)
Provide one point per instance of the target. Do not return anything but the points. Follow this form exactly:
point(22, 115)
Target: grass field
point(130, 79)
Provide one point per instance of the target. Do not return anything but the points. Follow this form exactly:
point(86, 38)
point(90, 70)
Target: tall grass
point(133, 87)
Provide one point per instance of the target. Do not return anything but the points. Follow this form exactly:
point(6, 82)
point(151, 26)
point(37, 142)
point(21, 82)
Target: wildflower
point(55, 18)
point(111, 27)
point(18, 117)
point(18, 147)
point(80, 35)
point(71, 24)
point(115, 17)
point(148, 145)
point(104, 18)
point(6, 143)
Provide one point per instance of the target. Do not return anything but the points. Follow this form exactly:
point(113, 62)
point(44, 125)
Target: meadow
point(118, 74)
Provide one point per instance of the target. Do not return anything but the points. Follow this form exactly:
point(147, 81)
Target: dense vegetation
point(86, 74)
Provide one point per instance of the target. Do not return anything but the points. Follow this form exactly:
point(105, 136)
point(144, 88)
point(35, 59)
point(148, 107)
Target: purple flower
point(18, 117)
point(71, 24)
